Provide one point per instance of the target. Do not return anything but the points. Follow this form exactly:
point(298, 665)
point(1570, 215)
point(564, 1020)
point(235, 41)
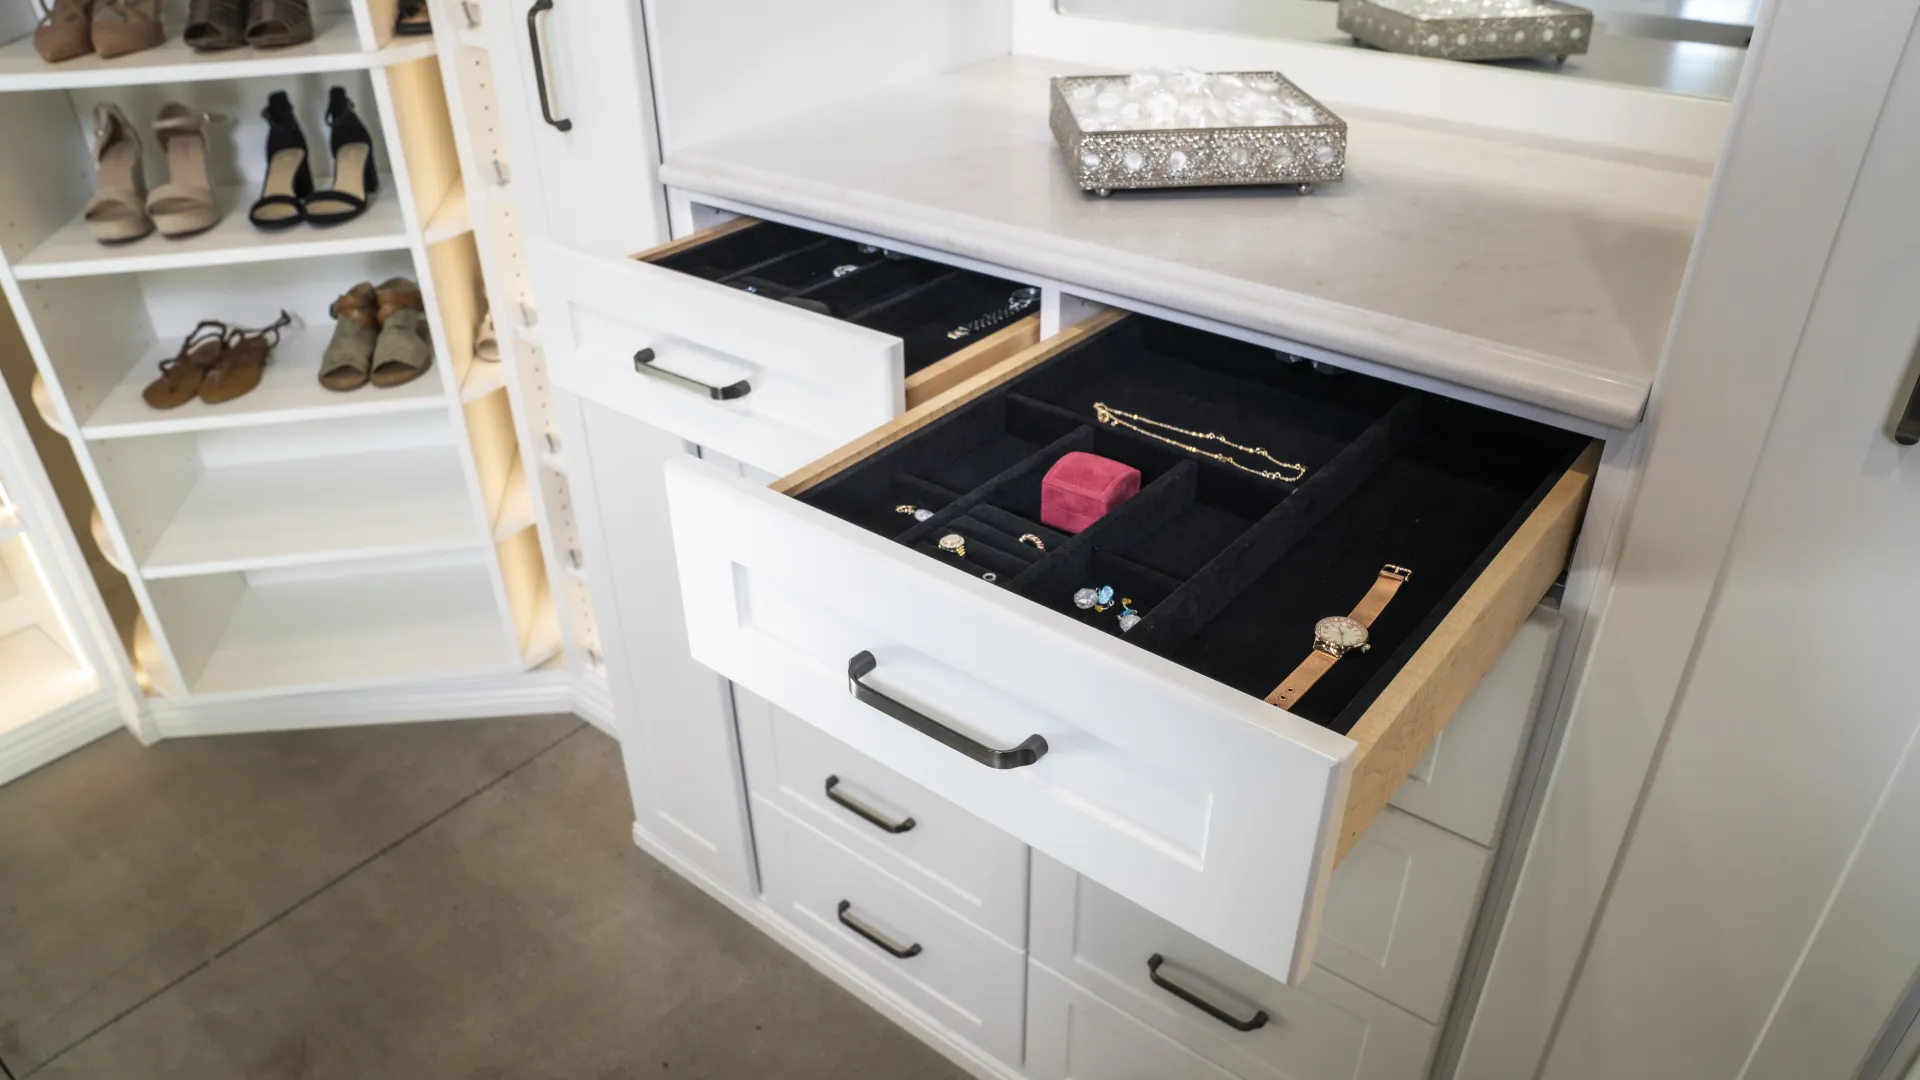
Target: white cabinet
point(578, 69)
point(915, 728)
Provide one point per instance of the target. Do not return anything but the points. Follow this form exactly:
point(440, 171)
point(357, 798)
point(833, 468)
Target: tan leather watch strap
point(1302, 679)
point(1320, 661)
point(1389, 582)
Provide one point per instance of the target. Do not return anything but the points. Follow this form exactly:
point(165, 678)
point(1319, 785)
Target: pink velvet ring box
point(1082, 487)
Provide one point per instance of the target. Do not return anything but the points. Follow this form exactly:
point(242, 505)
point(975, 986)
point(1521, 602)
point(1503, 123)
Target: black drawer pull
point(1254, 1023)
point(896, 950)
point(864, 812)
point(539, 8)
point(1028, 752)
point(643, 363)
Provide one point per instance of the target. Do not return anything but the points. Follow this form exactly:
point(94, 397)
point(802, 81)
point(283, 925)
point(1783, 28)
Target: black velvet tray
point(913, 299)
point(1230, 571)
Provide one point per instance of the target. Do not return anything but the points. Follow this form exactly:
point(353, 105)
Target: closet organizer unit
point(545, 550)
point(42, 667)
point(295, 538)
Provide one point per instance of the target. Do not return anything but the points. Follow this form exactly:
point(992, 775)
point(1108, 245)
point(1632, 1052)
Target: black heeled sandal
point(354, 180)
point(283, 194)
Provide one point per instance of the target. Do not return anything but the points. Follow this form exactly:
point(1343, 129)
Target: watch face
point(1340, 633)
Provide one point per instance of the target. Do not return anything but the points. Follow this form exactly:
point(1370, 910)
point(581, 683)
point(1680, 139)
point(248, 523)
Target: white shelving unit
point(54, 693)
point(295, 541)
point(480, 65)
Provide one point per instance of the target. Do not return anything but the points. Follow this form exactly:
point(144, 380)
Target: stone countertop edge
point(1548, 382)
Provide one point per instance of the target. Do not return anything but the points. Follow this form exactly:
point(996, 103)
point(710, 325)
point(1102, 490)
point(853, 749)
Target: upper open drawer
point(1146, 759)
point(768, 343)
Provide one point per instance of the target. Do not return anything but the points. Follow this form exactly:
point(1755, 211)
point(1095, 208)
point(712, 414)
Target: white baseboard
point(593, 700)
point(57, 734)
point(521, 694)
point(858, 983)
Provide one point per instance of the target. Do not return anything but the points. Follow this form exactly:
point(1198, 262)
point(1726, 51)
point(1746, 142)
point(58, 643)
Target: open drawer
point(1148, 759)
point(769, 343)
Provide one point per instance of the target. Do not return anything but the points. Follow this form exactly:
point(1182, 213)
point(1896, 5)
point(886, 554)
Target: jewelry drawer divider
point(1165, 627)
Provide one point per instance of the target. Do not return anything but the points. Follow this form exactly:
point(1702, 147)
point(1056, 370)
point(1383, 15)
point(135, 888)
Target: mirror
point(1691, 47)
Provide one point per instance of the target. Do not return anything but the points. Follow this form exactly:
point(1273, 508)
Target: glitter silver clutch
point(1469, 29)
point(1309, 147)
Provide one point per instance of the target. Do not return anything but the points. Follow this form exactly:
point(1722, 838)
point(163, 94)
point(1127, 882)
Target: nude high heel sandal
point(65, 30)
point(283, 194)
point(354, 180)
point(118, 212)
point(121, 27)
point(184, 205)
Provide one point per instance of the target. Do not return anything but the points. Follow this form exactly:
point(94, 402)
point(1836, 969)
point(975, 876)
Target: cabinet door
point(579, 81)
point(675, 717)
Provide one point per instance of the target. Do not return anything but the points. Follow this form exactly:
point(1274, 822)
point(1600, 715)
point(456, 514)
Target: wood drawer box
point(1147, 761)
point(964, 978)
point(951, 856)
point(768, 343)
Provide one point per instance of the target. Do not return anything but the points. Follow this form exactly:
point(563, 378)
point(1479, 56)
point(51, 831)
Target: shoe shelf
point(71, 252)
point(293, 539)
point(229, 501)
point(288, 393)
point(331, 627)
point(336, 46)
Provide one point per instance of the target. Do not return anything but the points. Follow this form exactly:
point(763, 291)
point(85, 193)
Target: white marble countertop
point(1542, 273)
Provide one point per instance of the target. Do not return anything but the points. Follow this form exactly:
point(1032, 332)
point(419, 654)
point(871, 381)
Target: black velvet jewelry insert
point(1228, 569)
point(921, 302)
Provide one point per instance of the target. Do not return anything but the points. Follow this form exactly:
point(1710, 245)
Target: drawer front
point(1225, 828)
point(954, 858)
point(1399, 912)
point(1072, 1035)
point(960, 975)
point(801, 384)
point(1323, 1029)
point(1464, 780)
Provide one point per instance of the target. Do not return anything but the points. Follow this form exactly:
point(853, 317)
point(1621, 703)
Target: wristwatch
point(1338, 635)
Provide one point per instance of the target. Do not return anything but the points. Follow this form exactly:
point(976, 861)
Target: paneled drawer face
point(1072, 1035)
point(1463, 781)
point(1399, 912)
point(767, 343)
point(956, 859)
point(969, 981)
point(1146, 760)
point(1258, 1028)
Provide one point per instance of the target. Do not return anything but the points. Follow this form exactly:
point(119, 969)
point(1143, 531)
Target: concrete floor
point(435, 900)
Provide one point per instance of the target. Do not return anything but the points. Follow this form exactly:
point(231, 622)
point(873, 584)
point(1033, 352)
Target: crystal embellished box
point(1469, 29)
point(1194, 129)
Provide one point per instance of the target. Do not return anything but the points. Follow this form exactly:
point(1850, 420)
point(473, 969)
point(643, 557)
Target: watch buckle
point(1398, 573)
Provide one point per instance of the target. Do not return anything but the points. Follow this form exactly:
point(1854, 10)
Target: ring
point(1029, 538)
point(989, 577)
point(955, 544)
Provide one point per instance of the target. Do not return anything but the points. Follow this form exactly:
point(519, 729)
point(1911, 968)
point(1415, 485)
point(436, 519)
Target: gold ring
point(1029, 538)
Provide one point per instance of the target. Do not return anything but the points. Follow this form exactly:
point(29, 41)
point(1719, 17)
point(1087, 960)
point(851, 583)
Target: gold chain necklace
point(1288, 472)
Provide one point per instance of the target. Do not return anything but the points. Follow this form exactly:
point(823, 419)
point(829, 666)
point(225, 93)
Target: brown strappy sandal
point(239, 369)
point(215, 25)
point(274, 24)
point(180, 377)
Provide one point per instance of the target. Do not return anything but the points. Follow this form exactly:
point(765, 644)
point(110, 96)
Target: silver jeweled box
point(1469, 29)
point(1120, 133)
